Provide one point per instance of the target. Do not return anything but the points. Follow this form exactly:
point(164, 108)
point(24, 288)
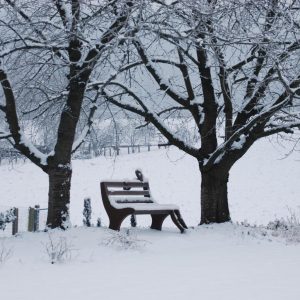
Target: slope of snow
point(225, 261)
point(262, 185)
point(212, 262)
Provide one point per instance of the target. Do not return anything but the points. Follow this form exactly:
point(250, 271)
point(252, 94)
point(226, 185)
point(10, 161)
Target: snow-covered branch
point(164, 86)
point(287, 128)
point(4, 135)
point(245, 131)
point(20, 142)
point(87, 129)
point(154, 118)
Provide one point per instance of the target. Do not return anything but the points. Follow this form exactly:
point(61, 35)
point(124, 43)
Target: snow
point(227, 261)
point(141, 206)
point(81, 138)
point(214, 262)
point(239, 144)
point(33, 150)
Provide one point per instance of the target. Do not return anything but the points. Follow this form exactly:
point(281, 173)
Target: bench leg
point(157, 221)
point(177, 222)
point(178, 215)
point(115, 222)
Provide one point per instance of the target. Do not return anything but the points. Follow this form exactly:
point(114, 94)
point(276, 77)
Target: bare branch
point(20, 142)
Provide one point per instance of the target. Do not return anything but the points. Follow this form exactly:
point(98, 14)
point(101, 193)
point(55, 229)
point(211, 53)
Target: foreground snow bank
point(212, 262)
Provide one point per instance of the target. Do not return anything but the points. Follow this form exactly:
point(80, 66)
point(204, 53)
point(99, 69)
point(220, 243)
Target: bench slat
point(126, 184)
point(126, 201)
point(129, 193)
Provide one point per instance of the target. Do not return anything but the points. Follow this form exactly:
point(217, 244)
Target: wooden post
point(31, 219)
point(15, 223)
point(36, 217)
point(128, 150)
point(109, 151)
point(133, 222)
point(149, 147)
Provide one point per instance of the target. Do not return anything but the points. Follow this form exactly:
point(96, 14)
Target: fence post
point(36, 217)
point(148, 147)
point(16, 221)
point(31, 219)
point(133, 222)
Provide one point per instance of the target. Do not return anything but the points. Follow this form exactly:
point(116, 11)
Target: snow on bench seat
point(141, 204)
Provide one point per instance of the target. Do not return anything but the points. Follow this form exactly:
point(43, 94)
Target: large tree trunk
point(59, 197)
point(214, 199)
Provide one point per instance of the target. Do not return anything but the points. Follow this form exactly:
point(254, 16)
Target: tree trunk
point(59, 197)
point(214, 199)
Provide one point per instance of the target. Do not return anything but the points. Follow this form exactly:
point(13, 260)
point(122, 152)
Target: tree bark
point(59, 197)
point(214, 198)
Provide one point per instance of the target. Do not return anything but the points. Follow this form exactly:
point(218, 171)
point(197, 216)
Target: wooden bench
point(124, 198)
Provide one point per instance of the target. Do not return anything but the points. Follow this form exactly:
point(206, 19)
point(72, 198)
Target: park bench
point(124, 198)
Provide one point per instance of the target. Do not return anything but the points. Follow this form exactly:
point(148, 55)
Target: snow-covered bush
point(99, 222)
point(6, 217)
point(87, 212)
point(288, 228)
point(278, 225)
point(58, 249)
point(124, 240)
point(5, 252)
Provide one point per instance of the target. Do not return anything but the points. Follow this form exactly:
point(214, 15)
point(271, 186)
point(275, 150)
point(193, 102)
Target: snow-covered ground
point(226, 261)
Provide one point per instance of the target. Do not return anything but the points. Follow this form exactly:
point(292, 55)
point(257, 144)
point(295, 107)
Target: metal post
point(16, 221)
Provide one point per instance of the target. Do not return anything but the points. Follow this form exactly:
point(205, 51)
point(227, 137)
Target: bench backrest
point(123, 192)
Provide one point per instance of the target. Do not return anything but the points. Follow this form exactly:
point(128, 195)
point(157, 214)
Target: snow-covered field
point(226, 261)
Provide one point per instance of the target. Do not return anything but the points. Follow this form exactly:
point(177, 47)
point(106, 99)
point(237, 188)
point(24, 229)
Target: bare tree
point(49, 52)
point(230, 68)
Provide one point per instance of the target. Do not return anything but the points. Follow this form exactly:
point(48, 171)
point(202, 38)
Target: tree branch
point(20, 142)
point(154, 118)
point(162, 83)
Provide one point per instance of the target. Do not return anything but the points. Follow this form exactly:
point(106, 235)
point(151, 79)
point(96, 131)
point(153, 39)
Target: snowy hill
point(226, 261)
point(262, 185)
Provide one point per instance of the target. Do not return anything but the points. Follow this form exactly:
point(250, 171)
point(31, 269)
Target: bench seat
point(141, 205)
